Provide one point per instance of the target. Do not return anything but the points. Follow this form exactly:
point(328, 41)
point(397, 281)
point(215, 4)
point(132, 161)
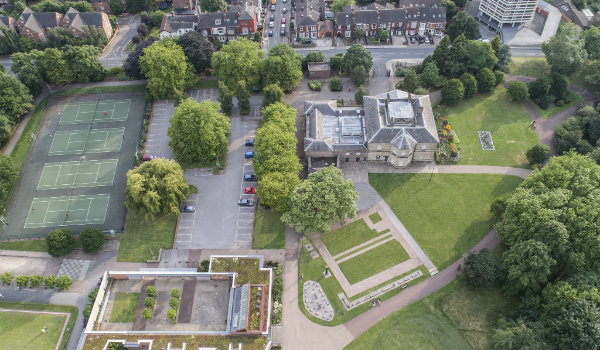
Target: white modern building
point(507, 11)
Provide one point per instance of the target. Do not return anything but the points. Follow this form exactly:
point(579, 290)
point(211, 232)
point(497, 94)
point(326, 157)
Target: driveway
point(157, 142)
point(115, 54)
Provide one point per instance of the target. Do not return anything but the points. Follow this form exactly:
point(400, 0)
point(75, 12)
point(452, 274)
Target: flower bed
point(257, 321)
point(485, 137)
point(448, 150)
point(247, 269)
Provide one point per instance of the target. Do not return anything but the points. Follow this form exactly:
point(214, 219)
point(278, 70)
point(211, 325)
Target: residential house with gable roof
point(230, 25)
point(75, 22)
point(35, 25)
point(7, 22)
point(176, 26)
point(396, 127)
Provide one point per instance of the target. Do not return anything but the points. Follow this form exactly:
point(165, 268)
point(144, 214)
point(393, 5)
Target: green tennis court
point(89, 173)
point(88, 112)
point(86, 141)
point(67, 210)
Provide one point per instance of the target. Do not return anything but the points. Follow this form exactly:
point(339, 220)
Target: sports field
point(87, 173)
point(86, 141)
point(75, 174)
point(23, 329)
point(67, 210)
point(95, 111)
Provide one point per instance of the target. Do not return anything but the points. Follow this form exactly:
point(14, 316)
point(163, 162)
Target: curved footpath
point(301, 333)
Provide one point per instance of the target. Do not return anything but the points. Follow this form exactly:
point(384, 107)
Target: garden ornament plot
point(485, 137)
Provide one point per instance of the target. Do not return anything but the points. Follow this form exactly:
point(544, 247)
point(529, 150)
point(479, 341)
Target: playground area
point(75, 175)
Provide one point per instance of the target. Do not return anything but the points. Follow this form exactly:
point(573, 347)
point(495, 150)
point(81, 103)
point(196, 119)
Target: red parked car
point(250, 190)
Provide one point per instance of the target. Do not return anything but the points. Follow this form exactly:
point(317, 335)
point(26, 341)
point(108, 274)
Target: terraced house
point(414, 20)
point(35, 25)
point(75, 22)
point(394, 127)
point(230, 25)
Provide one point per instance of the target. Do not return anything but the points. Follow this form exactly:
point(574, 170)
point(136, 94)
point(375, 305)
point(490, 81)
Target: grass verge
point(373, 261)
point(447, 214)
point(312, 269)
point(269, 231)
point(28, 333)
point(348, 236)
point(383, 238)
point(529, 66)
point(217, 165)
point(375, 218)
point(547, 113)
point(101, 90)
point(507, 121)
point(30, 245)
point(454, 317)
point(143, 237)
point(124, 307)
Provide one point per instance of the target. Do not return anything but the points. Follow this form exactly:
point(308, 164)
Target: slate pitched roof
point(307, 18)
point(172, 23)
point(6, 21)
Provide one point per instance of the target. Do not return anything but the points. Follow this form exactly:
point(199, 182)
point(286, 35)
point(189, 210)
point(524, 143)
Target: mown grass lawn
point(373, 261)
point(447, 214)
point(348, 236)
point(23, 331)
point(547, 113)
point(507, 121)
point(143, 237)
point(124, 307)
point(455, 317)
point(269, 231)
point(375, 218)
point(529, 66)
point(31, 245)
point(312, 269)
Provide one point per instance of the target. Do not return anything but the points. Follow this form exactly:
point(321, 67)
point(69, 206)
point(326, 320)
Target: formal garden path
point(545, 127)
point(301, 333)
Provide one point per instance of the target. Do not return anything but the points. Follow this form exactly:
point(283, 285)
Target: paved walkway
point(8, 148)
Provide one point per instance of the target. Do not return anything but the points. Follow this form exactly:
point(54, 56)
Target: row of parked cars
point(248, 177)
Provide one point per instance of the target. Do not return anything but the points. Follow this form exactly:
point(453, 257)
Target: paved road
point(115, 54)
point(277, 38)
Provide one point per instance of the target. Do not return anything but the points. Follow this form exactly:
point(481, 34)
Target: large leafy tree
point(565, 51)
point(55, 67)
point(198, 50)
point(58, 37)
point(134, 6)
point(453, 92)
point(271, 94)
point(283, 66)
point(212, 5)
point(430, 77)
point(592, 42)
point(198, 132)
point(116, 6)
point(313, 56)
point(166, 68)
point(551, 222)
point(357, 56)
point(320, 200)
point(275, 150)
point(238, 60)
point(274, 189)
point(131, 67)
point(156, 187)
point(15, 99)
point(338, 5)
point(84, 63)
point(462, 23)
point(480, 268)
point(281, 113)
point(8, 175)
point(6, 127)
point(479, 55)
point(60, 242)
point(575, 326)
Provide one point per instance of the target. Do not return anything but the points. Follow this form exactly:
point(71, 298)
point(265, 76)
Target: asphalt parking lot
point(157, 142)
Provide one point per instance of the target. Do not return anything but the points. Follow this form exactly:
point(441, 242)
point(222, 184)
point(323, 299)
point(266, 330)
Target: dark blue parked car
point(249, 154)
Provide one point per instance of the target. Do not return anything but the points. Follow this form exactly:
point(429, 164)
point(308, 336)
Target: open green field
point(124, 307)
point(348, 236)
point(373, 261)
point(447, 214)
point(32, 245)
point(454, 317)
point(547, 113)
point(23, 331)
point(143, 237)
point(312, 269)
point(529, 66)
point(269, 231)
point(507, 121)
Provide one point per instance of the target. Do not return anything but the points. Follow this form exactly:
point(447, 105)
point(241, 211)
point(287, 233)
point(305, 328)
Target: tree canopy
point(15, 99)
point(462, 23)
point(238, 60)
point(131, 66)
point(198, 132)
point(283, 66)
point(320, 200)
point(198, 50)
point(356, 56)
point(212, 5)
point(166, 69)
point(156, 187)
point(271, 94)
point(8, 175)
point(565, 51)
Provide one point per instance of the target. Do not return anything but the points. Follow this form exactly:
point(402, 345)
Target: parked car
point(250, 154)
point(413, 40)
point(147, 158)
point(270, 33)
point(426, 40)
point(282, 33)
point(283, 10)
point(272, 7)
point(188, 209)
point(250, 190)
point(249, 142)
point(272, 18)
point(246, 202)
point(308, 41)
point(282, 20)
point(250, 178)
point(271, 24)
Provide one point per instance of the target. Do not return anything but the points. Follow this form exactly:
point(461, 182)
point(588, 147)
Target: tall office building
point(507, 11)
